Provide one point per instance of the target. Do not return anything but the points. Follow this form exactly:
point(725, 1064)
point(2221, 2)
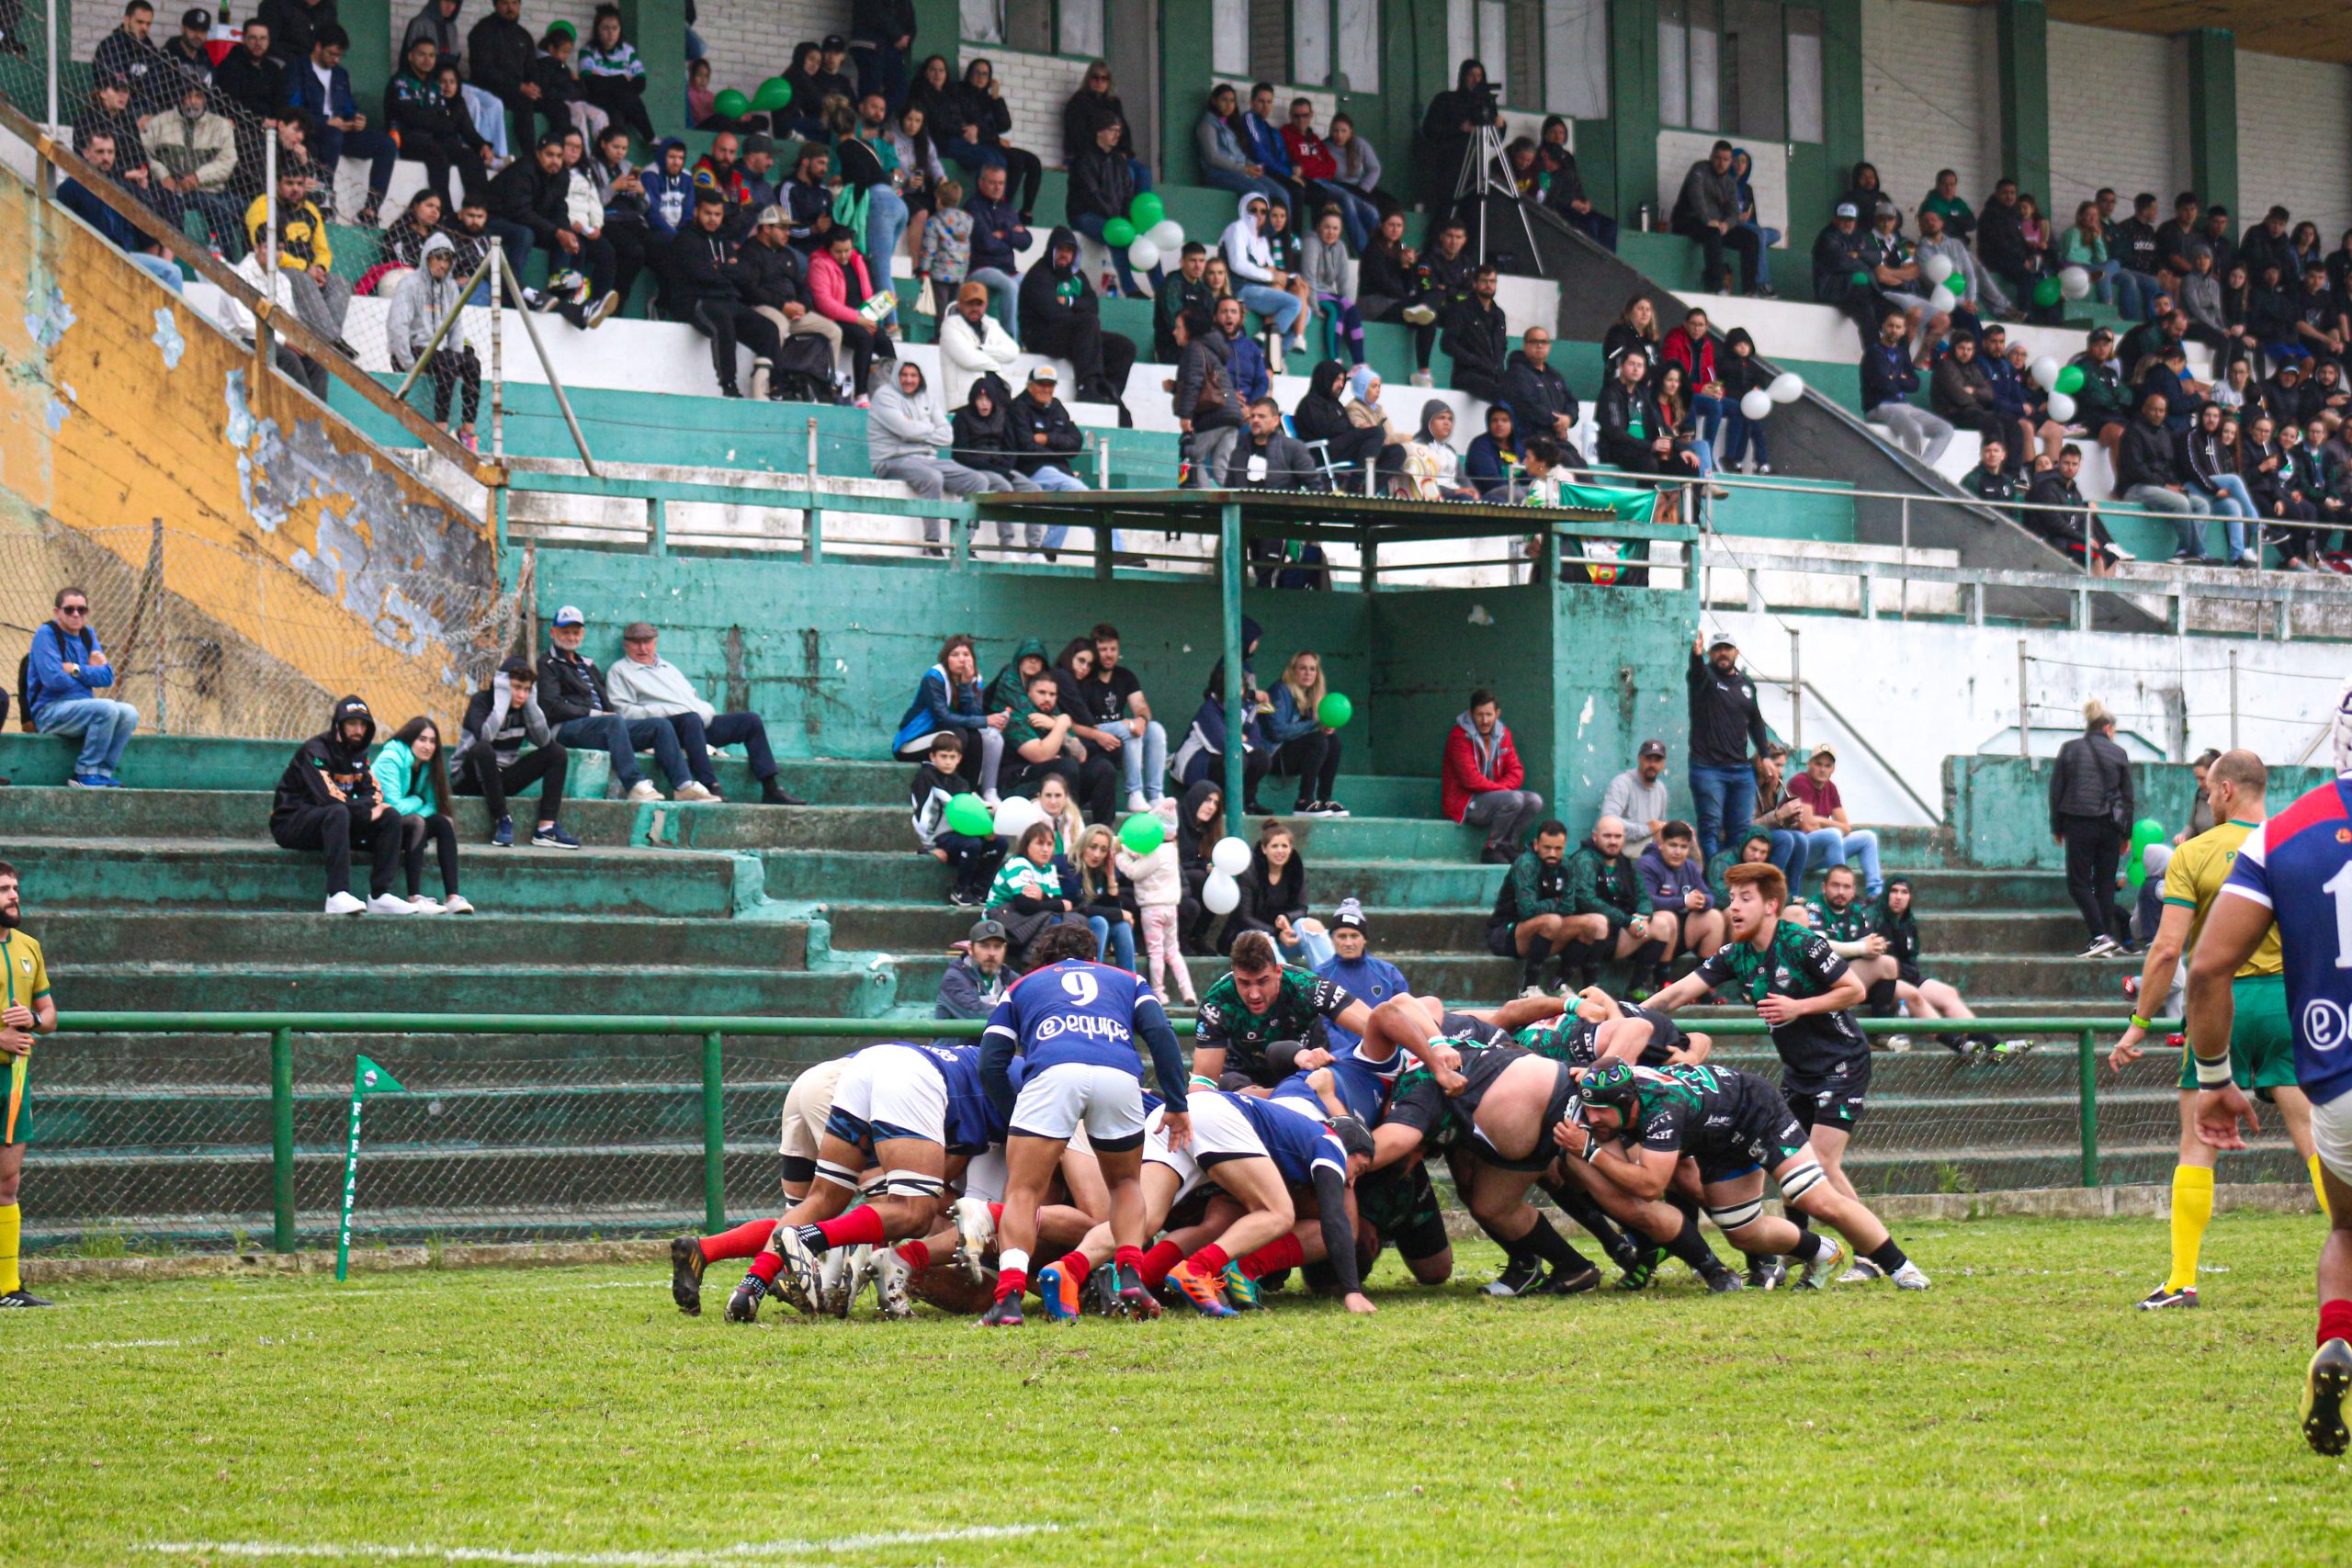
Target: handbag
point(926, 300)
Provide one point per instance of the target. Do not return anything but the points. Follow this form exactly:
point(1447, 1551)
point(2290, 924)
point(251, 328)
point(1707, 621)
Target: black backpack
point(25, 674)
point(803, 371)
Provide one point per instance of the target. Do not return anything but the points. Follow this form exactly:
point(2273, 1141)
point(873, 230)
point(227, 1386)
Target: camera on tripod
point(1489, 107)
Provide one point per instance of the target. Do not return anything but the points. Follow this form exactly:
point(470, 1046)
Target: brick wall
point(1931, 99)
point(2294, 123)
point(2115, 99)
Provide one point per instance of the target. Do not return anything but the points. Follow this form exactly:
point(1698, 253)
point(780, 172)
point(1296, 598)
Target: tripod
point(1486, 177)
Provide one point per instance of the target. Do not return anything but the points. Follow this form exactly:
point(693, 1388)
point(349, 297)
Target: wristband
point(1200, 1082)
point(2141, 1024)
point(2212, 1074)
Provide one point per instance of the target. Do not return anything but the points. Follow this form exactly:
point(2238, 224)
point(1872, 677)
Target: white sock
point(1006, 1263)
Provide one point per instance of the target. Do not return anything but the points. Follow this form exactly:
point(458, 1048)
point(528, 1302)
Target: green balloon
point(731, 105)
point(1141, 833)
point(2047, 292)
point(2070, 380)
point(1147, 209)
point(1334, 711)
point(1861, 278)
point(1118, 233)
point(774, 94)
point(969, 814)
point(2145, 832)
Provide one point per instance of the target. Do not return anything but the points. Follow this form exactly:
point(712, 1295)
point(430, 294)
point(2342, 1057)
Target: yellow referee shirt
point(2197, 870)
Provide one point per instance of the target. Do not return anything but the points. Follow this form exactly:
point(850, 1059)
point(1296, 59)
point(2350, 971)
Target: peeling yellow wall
point(120, 404)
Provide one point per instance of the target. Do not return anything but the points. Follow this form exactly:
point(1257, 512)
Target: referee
point(28, 1011)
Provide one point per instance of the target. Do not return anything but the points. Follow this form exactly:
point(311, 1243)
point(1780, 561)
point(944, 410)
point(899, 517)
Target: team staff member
point(2262, 1043)
point(28, 1011)
point(1724, 722)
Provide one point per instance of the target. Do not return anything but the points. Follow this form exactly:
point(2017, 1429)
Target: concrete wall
point(1930, 88)
point(1678, 149)
point(2294, 122)
point(2117, 105)
point(2000, 806)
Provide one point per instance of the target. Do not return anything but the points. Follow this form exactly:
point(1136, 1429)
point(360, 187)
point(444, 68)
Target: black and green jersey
point(1302, 1004)
point(1851, 923)
point(1571, 1040)
point(1724, 1119)
point(1795, 962)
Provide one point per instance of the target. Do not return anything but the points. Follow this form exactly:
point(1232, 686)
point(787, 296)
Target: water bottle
point(1642, 217)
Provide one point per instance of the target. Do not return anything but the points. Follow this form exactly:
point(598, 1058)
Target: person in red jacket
point(1311, 156)
point(1693, 350)
point(1482, 780)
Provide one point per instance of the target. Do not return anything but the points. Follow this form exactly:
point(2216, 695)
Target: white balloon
point(1937, 267)
point(2045, 373)
point(1143, 256)
point(1168, 234)
point(2062, 408)
point(1219, 893)
point(2074, 283)
point(1756, 404)
point(1787, 387)
point(1014, 813)
point(1230, 856)
point(1941, 300)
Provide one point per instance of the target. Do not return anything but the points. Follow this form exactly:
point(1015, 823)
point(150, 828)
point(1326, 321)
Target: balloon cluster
point(2062, 382)
point(1147, 233)
point(1785, 388)
point(1228, 860)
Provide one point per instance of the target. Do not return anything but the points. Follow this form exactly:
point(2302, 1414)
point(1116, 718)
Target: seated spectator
point(1610, 909)
point(1226, 161)
point(1539, 397)
point(972, 346)
point(844, 295)
point(1992, 481)
point(805, 116)
point(1262, 284)
point(1895, 270)
point(1356, 165)
point(2084, 244)
point(1102, 187)
point(436, 24)
point(1384, 280)
point(1670, 873)
point(2018, 399)
point(1264, 142)
point(1318, 169)
point(529, 203)
point(1046, 443)
point(2262, 460)
point(1824, 812)
point(1843, 275)
point(1707, 211)
point(107, 113)
point(1780, 813)
point(1175, 294)
point(1440, 276)
point(1245, 361)
point(573, 696)
point(192, 159)
point(1207, 407)
point(2060, 515)
point(64, 670)
point(1432, 468)
point(1749, 846)
point(1969, 279)
point(1845, 923)
point(645, 685)
point(1635, 433)
point(411, 775)
point(1321, 418)
point(1530, 918)
point(1365, 412)
point(1201, 759)
point(947, 700)
point(1265, 458)
point(1742, 168)
point(620, 195)
point(1483, 783)
point(561, 104)
point(1305, 748)
point(904, 431)
point(1106, 899)
point(114, 227)
point(502, 720)
point(1694, 351)
point(979, 136)
point(1950, 206)
point(1324, 266)
point(320, 88)
point(1073, 676)
point(1478, 338)
point(2211, 469)
point(1638, 796)
point(939, 780)
point(1199, 823)
point(235, 316)
point(428, 107)
point(808, 196)
point(1564, 190)
point(327, 797)
point(981, 439)
point(2149, 473)
point(1355, 971)
point(705, 287)
point(1114, 696)
point(1889, 378)
point(611, 75)
point(1635, 327)
point(1061, 317)
point(1051, 749)
point(1026, 897)
point(2002, 245)
point(1493, 462)
point(1963, 391)
point(1273, 901)
point(974, 981)
point(1009, 688)
point(1895, 920)
point(423, 300)
point(1095, 101)
point(771, 278)
point(669, 187)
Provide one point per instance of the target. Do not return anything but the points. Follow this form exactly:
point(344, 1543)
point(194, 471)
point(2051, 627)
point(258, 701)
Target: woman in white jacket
point(904, 431)
point(971, 345)
point(1262, 287)
point(1158, 880)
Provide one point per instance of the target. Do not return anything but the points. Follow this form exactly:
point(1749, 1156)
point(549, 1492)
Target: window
point(1036, 26)
point(1520, 64)
point(1805, 75)
point(1268, 41)
point(982, 21)
point(1748, 68)
point(1231, 54)
point(1576, 58)
point(1310, 42)
point(1546, 54)
point(1358, 23)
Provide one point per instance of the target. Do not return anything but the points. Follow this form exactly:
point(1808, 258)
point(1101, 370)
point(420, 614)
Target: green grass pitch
point(2017, 1413)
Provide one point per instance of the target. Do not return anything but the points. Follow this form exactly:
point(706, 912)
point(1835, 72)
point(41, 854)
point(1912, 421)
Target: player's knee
point(914, 1186)
point(1800, 1179)
point(1434, 1270)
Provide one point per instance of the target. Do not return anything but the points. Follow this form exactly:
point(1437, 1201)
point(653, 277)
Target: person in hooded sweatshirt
point(1206, 403)
point(1199, 823)
point(936, 784)
point(1201, 759)
point(502, 720)
point(983, 436)
point(1061, 317)
point(422, 298)
point(1261, 286)
point(327, 799)
point(904, 431)
point(1322, 415)
point(1354, 970)
point(437, 22)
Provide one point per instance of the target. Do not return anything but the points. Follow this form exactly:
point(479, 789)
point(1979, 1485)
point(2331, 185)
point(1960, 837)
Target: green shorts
point(2262, 1042)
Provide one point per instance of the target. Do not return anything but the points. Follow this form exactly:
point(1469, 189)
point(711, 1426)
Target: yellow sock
point(11, 1217)
point(2319, 1188)
point(2192, 1211)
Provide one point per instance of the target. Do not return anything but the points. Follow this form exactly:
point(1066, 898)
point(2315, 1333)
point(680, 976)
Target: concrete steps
point(543, 980)
point(88, 940)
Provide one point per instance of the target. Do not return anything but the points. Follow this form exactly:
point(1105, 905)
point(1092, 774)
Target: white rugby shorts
point(1107, 1101)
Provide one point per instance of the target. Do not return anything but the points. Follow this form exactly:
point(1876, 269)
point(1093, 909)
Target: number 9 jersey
point(2298, 866)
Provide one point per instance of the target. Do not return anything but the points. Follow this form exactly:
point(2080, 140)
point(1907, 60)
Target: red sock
point(2334, 1320)
point(1283, 1252)
point(741, 1242)
point(1210, 1260)
point(1075, 1268)
point(1127, 1258)
point(916, 1254)
point(1154, 1265)
point(766, 1265)
point(996, 1213)
point(1012, 1283)
point(860, 1225)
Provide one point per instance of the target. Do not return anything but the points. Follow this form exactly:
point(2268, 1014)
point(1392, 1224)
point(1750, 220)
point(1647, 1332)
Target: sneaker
point(1519, 1277)
point(799, 1281)
point(1333, 808)
point(1005, 1313)
point(1201, 1289)
point(691, 793)
point(1571, 1284)
point(1239, 1289)
point(86, 780)
point(1307, 808)
point(1910, 1277)
point(20, 1298)
point(1063, 1296)
point(965, 898)
point(1643, 1269)
point(686, 1274)
point(1419, 316)
point(2325, 1383)
point(990, 799)
point(854, 1276)
point(344, 904)
point(553, 836)
point(1136, 802)
point(643, 790)
point(2160, 1298)
point(423, 906)
point(1958, 1045)
point(743, 1304)
point(892, 1275)
point(1896, 1042)
point(456, 904)
point(1862, 1273)
point(502, 836)
point(974, 1234)
point(1140, 1304)
point(2012, 1048)
point(602, 311)
point(1824, 1267)
point(2098, 947)
point(1720, 1281)
point(1767, 1274)
point(389, 903)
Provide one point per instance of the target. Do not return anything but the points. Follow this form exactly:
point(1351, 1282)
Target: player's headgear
point(1353, 1136)
point(1611, 1084)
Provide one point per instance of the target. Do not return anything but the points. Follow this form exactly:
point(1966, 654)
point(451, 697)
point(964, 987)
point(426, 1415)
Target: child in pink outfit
point(1159, 883)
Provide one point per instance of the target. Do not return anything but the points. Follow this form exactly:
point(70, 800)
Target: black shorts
point(1763, 1133)
point(1484, 1069)
point(1502, 940)
point(1419, 1104)
point(1401, 1204)
point(1834, 1100)
point(1908, 974)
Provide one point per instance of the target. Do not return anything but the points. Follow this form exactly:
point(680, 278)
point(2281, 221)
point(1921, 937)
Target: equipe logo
point(2324, 1024)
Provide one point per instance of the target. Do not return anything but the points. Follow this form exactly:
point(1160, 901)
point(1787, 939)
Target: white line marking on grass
point(375, 1552)
point(107, 1345)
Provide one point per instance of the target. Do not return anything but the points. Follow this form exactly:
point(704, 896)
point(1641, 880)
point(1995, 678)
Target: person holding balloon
point(1305, 729)
point(951, 823)
point(1102, 194)
point(1151, 861)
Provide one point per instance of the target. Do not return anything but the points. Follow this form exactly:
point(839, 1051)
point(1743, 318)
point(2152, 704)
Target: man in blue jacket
point(1354, 970)
point(998, 238)
point(1888, 380)
point(66, 666)
point(321, 91)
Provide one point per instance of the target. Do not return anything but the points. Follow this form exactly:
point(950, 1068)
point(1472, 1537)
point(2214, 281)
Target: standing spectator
point(192, 157)
point(943, 245)
point(64, 668)
point(1324, 264)
point(921, 175)
point(645, 685)
point(1062, 317)
point(2149, 473)
point(321, 88)
point(1207, 407)
point(611, 75)
point(424, 298)
point(413, 777)
point(704, 286)
point(1888, 380)
point(937, 782)
point(1319, 170)
point(1483, 783)
point(2090, 801)
point(1115, 696)
point(1530, 918)
point(972, 346)
point(1670, 873)
point(573, 696)
point(1101, 188)
point(327, 797)
point(1262, 287)
point(500, 720)
point(981, 135)
point(1724, 722)
point(948, 701)
point(871, 177)
point(1478, 338)
point(1638, 798)
point(904, 431)
point(974, 983)
point(842, 291)
point(1825, 812)
point(1451, 122)
point(1707, 211)
point(997, 233)
point(1305, 748)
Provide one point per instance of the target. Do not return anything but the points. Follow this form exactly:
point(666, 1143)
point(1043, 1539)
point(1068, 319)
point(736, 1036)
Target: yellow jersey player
point(28, 1011)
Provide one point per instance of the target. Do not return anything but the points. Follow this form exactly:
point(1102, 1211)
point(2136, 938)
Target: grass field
point(2017, 1413)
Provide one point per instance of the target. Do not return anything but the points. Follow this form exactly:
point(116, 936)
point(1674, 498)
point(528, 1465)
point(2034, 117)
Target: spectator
point(1096, 102)
point(1049, 749)
point(1638, 797)
point(1101, 188)
point(1306, 749)
point(1843, 274)
point(843, 293)
point(981, 439)
point(1202, 757)
point(972, 346)
point(561, 105)
point(1026, 898)
point(128, 54)
point(1949, 205)
point(1364, 413)
point(1199, 823)
point(2262, 461)
point(2215, 237)
point(423, 300)
point(806, 196)
point(327, 797)
point(1974, 286)
point(2021, 404)
point(705, 288)
point(645, 685)
point(943, 248)
point(1824, 812)
point(1073, 674)
point(411, 777)
point(1895, 270)
point(1046, 443)
point(1707, 211)
point(436, 23)
point(2091, 798)
point(1319, 168)
point(1724, 722)
point(239, 320)
point(1273, 901)
point(1245, 361)
point(2084, 244)
point(573, 696)
point(1384, 274)
point(1064, 319)
point(1493, 461)
point(112, 226)
point(1355, 971)
point(1483, 781)
point(920, 173)
point(1636, 435)
point(1739, 372)
point(937, 782)
point(611, 75)
point(1962, 390)
point(980, 136)
point(1539, 397)
point(320, 89)
point(1324, 264)
point(1265, 458)
point(251, 85)
point(1751, 846)
point(500, 720)
point(1264, 144)
point(1207, 407)
point(190, 51)
point(2210, 469)
point(972, 982)
point(997, 233)
point(2149, 473)
point(1356, 165)
point(1888, 380)
point(2060, 515)
point(1441, 277)
point(1610, 909)
point(107, 113)
point(529, 202)
point(1322, 418)
point(1451, 123)
point(1670, 874)
point(1895, 922)
point(65, 666)
point(1185, 289)
point(1564, 190)
point(1115, 697)
point(1226, 161)
point(811, 84)
point(1992, 481)
point(433, 124)
point(1262, 288)
point(1793, 850)
point(1478, 338)
point(1107, 902)
point(2002, 246)
point(1742, 168)
point(948, 701)
point(1694, 350)
point(1432, 467)
point(669, 193)
point(1009, 689)
point(1635, 327)
point(192, 157)
point(869, 176)
point(1531, 916)
point(500, 59)
point(770, 277)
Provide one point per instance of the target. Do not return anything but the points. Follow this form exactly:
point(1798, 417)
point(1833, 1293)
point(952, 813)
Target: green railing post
point(2086, 1091)
point(281, 1139)
point(714, 1136)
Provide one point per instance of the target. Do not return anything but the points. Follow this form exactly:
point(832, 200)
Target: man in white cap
point(572, 695)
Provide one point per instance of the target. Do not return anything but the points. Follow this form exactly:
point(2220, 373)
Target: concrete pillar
point(370, 24)
point(2214, 115)
point(2021, 31)
point(658, 29)
point(1618, 156)
point(1187, 63)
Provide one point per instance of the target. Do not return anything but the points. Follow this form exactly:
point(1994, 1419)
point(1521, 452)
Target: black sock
point(813, 1238)
point(1880, 998)
point(1808, 1247)
point(1887, 1255)
point(1531, 974)
point(1512, 1250)
point(1553, 1248)
point(1578, 1205)
point(1648, 956)
point(1689, 1244)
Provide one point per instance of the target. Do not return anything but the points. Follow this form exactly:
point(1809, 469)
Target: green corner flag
point(367, 1078)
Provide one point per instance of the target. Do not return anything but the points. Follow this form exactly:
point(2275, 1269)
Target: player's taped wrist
point(2213, 1073)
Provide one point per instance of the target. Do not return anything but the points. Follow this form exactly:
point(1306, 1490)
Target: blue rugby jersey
point(2298, 866)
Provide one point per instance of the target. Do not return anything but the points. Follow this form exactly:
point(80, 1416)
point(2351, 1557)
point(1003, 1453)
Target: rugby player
point(1396, 1203)
point(1074, 1024)
point(28, 1011)
point(2295, 869)
point(1732, 1127)
point(1262, 1000)
point(2262, 1045)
